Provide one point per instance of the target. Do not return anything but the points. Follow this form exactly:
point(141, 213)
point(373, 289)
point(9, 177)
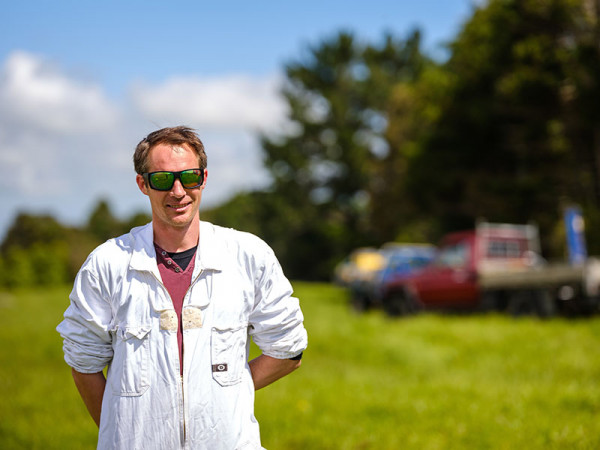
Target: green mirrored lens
point(162, 180)
point(191, 178)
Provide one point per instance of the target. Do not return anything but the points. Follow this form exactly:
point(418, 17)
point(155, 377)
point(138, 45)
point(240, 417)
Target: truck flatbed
point(545, 276)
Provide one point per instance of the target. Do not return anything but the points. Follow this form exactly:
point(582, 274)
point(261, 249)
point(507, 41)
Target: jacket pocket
point(128, 373)
point(228, 354)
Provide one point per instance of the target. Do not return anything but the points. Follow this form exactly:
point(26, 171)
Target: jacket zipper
point(183, 436)
point(183, 365)
point(183, 411)
point(182, 403)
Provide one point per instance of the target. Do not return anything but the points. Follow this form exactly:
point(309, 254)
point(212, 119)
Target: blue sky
point(82, 82)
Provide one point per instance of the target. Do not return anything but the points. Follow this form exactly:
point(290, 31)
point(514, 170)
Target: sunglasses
point(164, 180)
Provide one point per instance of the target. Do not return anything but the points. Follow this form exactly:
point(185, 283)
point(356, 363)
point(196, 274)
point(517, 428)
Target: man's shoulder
point(232, 233)
point(124, 243)
point(116, 250)
point(236, 238)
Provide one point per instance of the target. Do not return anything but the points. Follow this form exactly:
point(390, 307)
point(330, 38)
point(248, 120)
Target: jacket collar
point(143, 256)
point(208, 256)
point(211, 248)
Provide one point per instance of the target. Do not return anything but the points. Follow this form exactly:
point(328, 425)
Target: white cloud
point(231, 102)
point(234, 164)
point(64, 143)
point(50, 122)
point(35, 93)
point(28, 162)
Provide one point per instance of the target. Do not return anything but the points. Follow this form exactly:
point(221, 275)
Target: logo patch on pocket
point(192, 318)
point(219, 368)
point(168, 320)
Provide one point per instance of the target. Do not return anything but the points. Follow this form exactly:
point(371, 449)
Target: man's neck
point(175, 239)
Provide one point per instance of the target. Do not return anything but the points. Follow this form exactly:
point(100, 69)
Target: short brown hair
point(172, 136)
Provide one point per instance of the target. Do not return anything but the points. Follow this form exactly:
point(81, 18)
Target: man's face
point(178, 207)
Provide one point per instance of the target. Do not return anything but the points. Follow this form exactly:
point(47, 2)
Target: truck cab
point(454, 279)
point(451, 280)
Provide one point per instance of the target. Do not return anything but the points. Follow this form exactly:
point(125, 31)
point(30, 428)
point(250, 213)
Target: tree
point(322, 173)
point(501, 141)
point(412, 105)
point(19, 271)
point(38, 252)
point(41, 251)
point(28, 229)
point(581, 96)
point(49, 263)
point(102, 223)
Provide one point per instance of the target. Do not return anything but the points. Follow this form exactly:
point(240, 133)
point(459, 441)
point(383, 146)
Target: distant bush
point(40, 251)
point(17, 268)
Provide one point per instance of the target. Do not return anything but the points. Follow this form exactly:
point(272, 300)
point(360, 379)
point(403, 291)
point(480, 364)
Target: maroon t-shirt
point(177, 281)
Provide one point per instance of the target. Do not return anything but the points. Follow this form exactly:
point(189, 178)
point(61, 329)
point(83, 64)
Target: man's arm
point(91, 388)
point(266, 369)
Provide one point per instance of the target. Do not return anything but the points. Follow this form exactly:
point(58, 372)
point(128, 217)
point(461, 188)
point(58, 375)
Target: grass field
point(367, 382)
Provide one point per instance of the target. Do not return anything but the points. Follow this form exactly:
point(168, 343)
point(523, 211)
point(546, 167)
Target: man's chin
point(181, 220)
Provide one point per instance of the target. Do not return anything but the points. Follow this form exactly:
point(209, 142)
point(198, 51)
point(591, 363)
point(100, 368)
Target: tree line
point(40, 251)
point(388, 143)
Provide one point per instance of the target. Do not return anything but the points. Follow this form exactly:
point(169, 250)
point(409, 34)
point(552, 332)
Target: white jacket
point(122, 315)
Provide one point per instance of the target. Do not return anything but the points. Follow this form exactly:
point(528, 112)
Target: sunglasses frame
point(176, 176)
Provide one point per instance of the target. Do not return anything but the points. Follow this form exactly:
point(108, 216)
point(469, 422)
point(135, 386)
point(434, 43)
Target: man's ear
point(205, 177)
point(141, 184)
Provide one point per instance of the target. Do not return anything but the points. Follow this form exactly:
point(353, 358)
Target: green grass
point(367, 382)
point(40, 407)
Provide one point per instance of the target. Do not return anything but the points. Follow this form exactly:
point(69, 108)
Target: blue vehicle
point(400, 261)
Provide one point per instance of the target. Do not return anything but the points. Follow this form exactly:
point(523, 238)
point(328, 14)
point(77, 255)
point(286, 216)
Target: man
point(169, 308)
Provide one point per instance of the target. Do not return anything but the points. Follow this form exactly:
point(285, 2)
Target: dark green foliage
point(102, 224)
point(49, 263)
point(38, 250)
point(323, 176)
point(17, 269)
point(391, 145)
point(28, 229)
point(34, 252)
point(137, 220)
point(514, 139)
point(286, 228)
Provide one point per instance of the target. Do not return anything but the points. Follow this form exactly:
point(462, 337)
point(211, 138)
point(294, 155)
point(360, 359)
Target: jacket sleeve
point(276, 322)
point(85, 330)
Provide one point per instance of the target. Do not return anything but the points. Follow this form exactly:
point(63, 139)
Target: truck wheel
point(521, 303)
point(535, 302)
point(544, 304)
point(401, 303)
point(490, 302)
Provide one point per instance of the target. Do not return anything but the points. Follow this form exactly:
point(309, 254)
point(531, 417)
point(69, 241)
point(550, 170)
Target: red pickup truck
point(494, 267)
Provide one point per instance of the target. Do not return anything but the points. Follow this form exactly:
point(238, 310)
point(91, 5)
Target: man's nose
point(178, 189)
